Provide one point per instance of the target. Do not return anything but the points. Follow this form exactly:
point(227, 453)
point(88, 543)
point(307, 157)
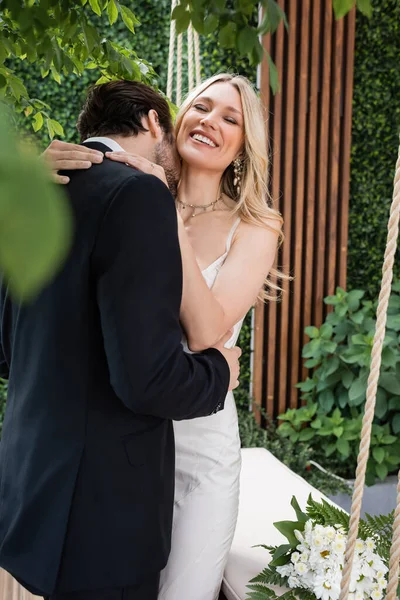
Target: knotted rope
point(387, 276)
point(193, 59)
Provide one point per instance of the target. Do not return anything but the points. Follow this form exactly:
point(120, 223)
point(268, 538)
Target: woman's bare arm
point(207, 314)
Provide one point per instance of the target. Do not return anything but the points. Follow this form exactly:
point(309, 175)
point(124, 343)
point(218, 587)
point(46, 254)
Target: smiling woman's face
point(212, 130)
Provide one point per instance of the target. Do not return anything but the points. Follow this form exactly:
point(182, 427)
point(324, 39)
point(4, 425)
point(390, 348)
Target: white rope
point(172, 31)
point(190, 57)
point(179, 72)
point(197, 56)
point(193, 59)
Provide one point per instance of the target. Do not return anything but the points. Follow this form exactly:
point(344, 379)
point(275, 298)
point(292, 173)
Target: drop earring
point(238, 174)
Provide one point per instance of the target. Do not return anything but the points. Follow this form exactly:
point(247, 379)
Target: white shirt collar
point(107, 142)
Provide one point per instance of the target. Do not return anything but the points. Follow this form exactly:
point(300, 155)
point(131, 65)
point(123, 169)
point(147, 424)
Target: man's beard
point(165, 156)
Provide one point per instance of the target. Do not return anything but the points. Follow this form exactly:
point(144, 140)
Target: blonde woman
point(228, 235)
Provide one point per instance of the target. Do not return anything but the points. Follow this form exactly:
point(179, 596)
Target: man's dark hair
point(118, 107)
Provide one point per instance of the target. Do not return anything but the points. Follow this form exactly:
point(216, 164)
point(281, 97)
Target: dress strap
point(231, 234)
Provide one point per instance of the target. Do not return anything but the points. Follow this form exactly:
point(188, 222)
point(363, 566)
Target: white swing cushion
point(266, 489)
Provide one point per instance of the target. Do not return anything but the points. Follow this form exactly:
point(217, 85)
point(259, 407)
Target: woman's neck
point(198, 187)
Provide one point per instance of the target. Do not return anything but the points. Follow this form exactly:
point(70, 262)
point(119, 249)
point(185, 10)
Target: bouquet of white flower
point(311, 563)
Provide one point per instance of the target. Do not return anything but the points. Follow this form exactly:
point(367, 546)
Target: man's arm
point(138, 268)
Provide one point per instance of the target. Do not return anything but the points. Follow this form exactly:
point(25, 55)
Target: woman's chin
point(197, 158)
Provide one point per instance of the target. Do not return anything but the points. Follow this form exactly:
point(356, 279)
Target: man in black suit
point(97, 372)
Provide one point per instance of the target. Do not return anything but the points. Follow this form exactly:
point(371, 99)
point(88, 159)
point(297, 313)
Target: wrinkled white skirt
point(206, 505)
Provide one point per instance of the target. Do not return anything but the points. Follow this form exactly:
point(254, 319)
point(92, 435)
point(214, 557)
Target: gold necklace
point(196, 206)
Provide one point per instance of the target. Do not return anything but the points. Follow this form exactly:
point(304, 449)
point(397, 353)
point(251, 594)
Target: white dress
point(206, 492)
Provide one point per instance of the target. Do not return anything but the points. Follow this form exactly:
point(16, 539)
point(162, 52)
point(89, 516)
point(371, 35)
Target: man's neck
point(133, 145)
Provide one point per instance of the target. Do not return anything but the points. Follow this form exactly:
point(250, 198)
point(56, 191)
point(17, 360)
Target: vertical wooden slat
point(334, 158)
point(276, 110)
point(311, 154)
point(259, 313)
point(288, 209)
point(297, 234)
point(323, 153)
point(346, 148)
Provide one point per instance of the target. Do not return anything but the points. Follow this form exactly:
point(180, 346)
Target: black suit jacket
point(96, 374)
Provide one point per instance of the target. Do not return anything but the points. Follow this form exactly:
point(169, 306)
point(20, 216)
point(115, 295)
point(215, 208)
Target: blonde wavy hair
point(254, 203)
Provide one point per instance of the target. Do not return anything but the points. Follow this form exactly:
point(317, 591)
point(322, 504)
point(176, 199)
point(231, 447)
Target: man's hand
point(62, 156)
point(232, 358)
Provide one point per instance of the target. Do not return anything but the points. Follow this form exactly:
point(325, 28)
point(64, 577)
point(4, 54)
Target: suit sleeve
point(138, 270)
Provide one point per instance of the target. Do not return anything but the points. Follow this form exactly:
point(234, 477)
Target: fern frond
point(260, 592)
point(324, 513)
point(269, 576)
point(380, 528)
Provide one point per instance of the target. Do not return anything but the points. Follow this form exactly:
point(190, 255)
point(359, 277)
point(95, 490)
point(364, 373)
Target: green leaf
point(390, 383)
point(112, 12)
point(302, 517)
point(312, 332)
point(326, 331)
point(57, 128)
point(287, 529)
point(381, 406)
point(396, 424)
point(306, 435)
point(378, 454)
point(210, 24)
point(35, 221)
point(357, 390)
point(381, 471)
point(365, 7)
point(342, 7)
point(227, 35)
point(279, 554)
point(129, 18)
point(326, 400)
point(273, 74)
point(343, 447)
point(37, 121)
point(95, 6)
point(347, 379)
point(182, 17)
point(246, 40)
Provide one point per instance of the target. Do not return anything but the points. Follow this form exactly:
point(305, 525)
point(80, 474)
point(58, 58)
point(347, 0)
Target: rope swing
point(193, 59)
point(381, 317)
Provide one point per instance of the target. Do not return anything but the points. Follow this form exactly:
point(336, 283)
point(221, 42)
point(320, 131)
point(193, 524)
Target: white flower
point(299, 535)
point(295, 557)
point(301, 568)
point(376, 594)
point(370, 544)
point(285, 570)
point(359, 546)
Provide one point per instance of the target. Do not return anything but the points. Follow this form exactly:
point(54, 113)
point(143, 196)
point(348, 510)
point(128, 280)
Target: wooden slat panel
point(309, 129)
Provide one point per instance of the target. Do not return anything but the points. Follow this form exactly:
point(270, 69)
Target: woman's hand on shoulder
point(140, 163)
point(63, 156)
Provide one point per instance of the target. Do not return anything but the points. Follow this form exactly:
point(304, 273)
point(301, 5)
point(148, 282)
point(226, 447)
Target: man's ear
point(154, 124)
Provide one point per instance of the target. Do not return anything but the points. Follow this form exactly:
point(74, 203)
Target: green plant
point(374, 142)
point(337, 436)
point(297, 456)
point(339, 354)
